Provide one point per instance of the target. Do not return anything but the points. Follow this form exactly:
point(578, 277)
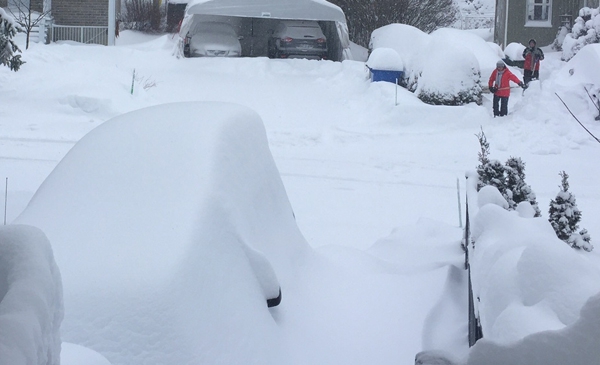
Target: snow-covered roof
point(277, 9)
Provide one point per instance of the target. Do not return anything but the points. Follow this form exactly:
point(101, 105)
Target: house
point(85, 21)
point(520, 20)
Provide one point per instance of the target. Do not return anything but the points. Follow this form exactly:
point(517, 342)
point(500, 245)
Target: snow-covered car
point(175, 230)
point(297, 39)
point(211, 39)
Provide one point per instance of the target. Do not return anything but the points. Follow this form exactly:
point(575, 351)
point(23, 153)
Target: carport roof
point(278, 9)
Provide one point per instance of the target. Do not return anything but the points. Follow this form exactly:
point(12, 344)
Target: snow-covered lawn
point(372, 184)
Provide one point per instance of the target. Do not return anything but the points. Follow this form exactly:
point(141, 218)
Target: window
point(538, 10)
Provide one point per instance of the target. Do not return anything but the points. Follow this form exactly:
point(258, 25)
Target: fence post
point(5, 199)
point(475, 331)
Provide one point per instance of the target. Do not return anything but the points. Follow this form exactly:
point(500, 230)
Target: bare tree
point(143, 15)
point(364, 16)
point(26, 17)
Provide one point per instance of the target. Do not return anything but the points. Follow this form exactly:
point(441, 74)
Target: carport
point(254, 20)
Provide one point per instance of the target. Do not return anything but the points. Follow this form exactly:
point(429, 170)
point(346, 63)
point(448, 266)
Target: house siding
point(519, 32)
point(80, 12)
point(37, 5)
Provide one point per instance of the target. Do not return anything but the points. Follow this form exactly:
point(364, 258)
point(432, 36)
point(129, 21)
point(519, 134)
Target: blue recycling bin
point(385, 75)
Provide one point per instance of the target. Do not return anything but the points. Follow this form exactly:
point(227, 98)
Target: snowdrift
point(31, 307)
point(163, 222)
point(525, 279)
point(575, 345)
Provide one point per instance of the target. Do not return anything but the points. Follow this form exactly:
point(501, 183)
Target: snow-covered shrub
point(517, 190)
point(564, 216)
point(8, 48)
point(563, 30)
point(514, 51)
point(508, 179)
point(490, 172)
point(586, 30)
point(453, 80)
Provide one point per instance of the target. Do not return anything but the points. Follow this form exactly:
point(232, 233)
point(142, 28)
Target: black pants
point(503, 101)
point(529, 75)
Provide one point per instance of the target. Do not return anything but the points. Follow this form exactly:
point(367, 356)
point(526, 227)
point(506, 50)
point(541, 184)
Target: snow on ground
point(355, 166)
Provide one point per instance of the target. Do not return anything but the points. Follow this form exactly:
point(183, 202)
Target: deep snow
point(354, 165)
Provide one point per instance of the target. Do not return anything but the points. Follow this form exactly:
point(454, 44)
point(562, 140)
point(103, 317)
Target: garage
point(255, 22)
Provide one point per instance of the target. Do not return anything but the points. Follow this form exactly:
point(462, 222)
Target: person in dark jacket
point(532, 55)
point(499, 85)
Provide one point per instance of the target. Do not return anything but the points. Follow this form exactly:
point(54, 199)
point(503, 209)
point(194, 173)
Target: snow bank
point(72, 354)
point(577, 344)
point(582, 68)
point(159, 219)
point(31, 308)
point(525, 279)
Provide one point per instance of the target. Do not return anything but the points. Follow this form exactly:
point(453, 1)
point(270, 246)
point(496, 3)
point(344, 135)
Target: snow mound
point(486, 53)
point(72, 354)
point(582, 69)
point(490, 195)
point(385, 59)
point(526, 280)
point(31, 307)
point(576, 344)
point(165, 223)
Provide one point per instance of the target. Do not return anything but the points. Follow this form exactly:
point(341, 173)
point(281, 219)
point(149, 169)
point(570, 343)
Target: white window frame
point(530, 5)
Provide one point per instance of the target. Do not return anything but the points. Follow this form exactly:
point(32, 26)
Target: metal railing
point(81, 34)
point(477, 22)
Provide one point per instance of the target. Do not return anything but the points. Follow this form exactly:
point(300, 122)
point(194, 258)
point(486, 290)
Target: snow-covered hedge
point(586, 30)
point(455, 80)
point(31, 307)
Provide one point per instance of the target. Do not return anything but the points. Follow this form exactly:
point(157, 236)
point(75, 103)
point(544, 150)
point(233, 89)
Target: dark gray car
point(297, 39)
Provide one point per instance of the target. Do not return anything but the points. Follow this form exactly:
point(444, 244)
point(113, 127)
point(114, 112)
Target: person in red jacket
point(531, 68)
point(499, 85)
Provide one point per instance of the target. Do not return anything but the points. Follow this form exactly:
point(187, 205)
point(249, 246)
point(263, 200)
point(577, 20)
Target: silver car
point(212, 39)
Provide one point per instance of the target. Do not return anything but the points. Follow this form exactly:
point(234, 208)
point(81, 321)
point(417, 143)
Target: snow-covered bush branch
point(586, 30)
point(8, 48)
